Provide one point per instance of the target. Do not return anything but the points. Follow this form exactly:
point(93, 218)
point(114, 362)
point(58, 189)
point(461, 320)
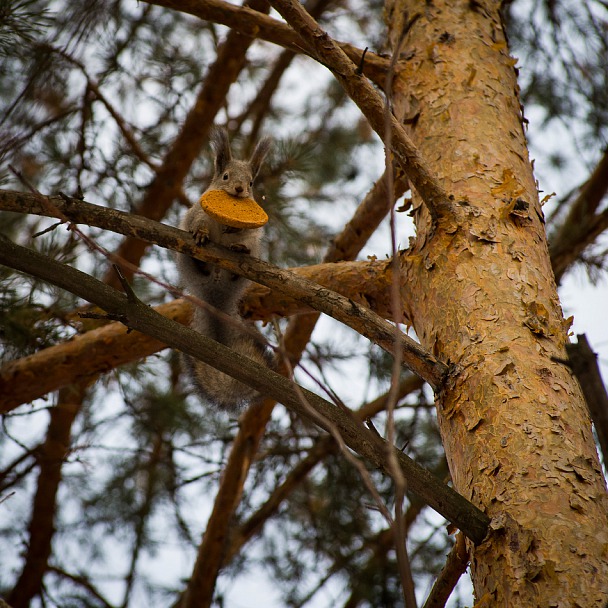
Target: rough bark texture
point(514, 423)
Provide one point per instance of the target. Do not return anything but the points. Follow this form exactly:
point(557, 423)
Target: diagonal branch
point(320, 450)
point(136, 315)
point(369, 101)
point(359, 318)
point(255, 24)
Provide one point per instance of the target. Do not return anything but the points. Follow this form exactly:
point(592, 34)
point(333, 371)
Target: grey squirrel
point(219, 288)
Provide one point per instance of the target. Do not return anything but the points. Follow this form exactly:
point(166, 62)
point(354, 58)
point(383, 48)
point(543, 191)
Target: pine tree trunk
point(480, 293)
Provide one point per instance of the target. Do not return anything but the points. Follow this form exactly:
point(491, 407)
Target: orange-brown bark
point(514, 423)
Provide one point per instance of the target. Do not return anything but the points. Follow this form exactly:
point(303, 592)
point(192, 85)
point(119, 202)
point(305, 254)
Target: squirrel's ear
point(221, 146)
point(259, 154)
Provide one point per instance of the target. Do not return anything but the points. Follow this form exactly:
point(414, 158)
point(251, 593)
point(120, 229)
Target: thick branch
point(255, 24)
point(110, 346)
point(371, 104)
point(366, 282)
point(137, 315)
point(361, 319)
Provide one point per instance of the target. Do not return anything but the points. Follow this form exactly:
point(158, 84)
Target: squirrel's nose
point(239, 189)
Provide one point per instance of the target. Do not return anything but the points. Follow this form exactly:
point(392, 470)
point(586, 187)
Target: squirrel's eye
point(225, 176)
point(250, 184)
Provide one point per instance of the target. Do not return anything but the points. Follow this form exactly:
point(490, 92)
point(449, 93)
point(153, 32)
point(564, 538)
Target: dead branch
point(583, 362)
point(455, 566)
point(137, 315)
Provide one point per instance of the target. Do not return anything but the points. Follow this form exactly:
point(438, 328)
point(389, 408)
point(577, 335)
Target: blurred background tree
point(105, 495)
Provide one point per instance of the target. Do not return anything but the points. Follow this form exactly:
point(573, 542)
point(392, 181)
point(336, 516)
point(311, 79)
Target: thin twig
point(334, 431)
point(403, 561)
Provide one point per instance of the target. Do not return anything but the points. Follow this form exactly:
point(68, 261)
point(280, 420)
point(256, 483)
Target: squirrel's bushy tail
point(214, 386)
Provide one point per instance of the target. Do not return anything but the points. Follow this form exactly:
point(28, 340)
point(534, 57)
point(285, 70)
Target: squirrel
point(219, 288)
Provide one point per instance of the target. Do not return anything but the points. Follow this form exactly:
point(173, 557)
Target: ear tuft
point(221, 147)
point(259, 154)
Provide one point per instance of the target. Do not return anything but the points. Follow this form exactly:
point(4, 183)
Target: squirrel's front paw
point(201, 235)
point(240, 248)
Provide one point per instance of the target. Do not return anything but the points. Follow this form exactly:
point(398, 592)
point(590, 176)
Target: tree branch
point(583, 224)
point(138, 316)
point(359, 318)
point(320, 450)
point(42, 518)
point(255, 24)
point(455, 566)
point(103, 349)
point(583, 362)
point(360, 90)
point(366, 282)
point(212, 550)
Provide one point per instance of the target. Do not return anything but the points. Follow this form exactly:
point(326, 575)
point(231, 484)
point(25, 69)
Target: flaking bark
point(482, 295)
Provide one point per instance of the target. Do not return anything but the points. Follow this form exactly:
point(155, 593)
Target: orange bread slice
point(233, 211)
